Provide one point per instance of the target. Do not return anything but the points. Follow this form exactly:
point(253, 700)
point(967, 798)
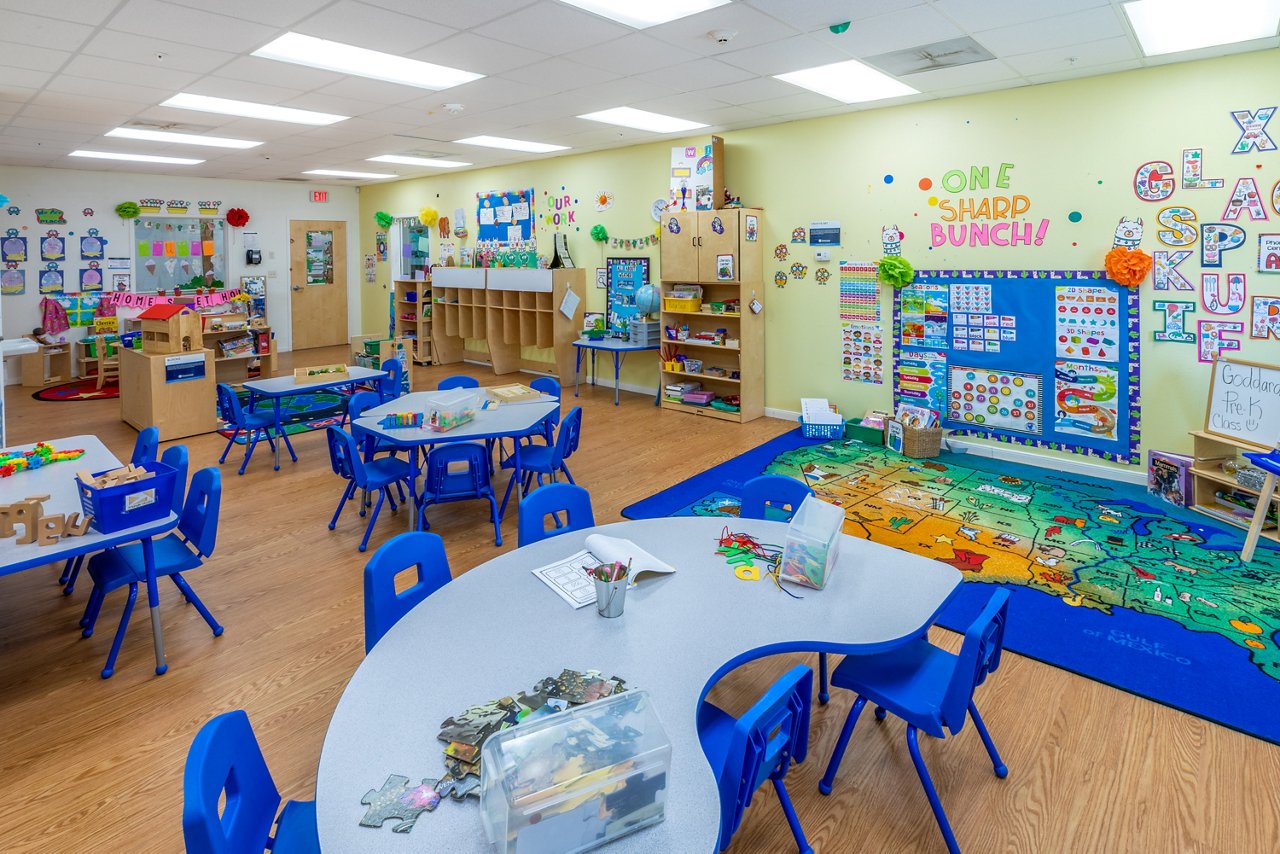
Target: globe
point(648, 299)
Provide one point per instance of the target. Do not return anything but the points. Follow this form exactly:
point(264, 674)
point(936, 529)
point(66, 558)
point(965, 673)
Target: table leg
point(279, 432)
point(514, 482)
point(577, 369)
point(657, 395)
point(618, 357)
point(414, 470)
point(153, 602)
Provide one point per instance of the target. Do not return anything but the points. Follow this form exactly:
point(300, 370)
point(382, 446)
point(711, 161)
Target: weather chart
point(1047, 358)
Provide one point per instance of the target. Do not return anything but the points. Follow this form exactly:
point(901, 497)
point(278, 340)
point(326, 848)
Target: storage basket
point(921, 443)
point(869, 435)
point(821, 431)
point(681, 303)
point(128, 504)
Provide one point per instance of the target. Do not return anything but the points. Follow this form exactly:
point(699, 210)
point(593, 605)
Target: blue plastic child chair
point(146, 446)
point(1269, 463)
point(745, 752)
point(378, 474)
point(225, 764)
point(257, 425)
point(457, 381)
point(929, 688)
point(383, 606)
point(552, 500)
point(175, 554)
point(390, 386)
point(772, 496)
point(551, 388)
point(443, 484)
point(175, 457)
point(549, 460)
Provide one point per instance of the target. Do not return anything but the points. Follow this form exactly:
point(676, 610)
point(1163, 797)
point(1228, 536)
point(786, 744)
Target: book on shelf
point(241, 346)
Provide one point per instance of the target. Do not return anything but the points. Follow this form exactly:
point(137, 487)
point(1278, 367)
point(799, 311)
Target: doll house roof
point(162, 311)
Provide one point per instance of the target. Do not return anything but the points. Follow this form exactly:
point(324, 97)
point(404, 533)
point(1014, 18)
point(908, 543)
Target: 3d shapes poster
point(1040, 358)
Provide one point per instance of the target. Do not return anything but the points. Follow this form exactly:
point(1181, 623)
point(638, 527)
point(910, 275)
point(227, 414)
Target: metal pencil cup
point(610, 597)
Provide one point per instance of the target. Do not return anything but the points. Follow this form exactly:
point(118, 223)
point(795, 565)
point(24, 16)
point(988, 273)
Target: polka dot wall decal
point(933, 201)
point(888, 179)
point(1075, 216)
point(1073, 243)
point(926, 183)
point(1099, 180)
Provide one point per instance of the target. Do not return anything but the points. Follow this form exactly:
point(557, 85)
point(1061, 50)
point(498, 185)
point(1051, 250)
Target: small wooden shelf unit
point(411, 318)
point(1210, 451)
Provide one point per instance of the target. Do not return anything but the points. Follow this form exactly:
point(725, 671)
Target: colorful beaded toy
point(12, 462)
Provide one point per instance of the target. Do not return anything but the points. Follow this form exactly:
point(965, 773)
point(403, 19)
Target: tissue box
point(575, 780)
point(812, 544)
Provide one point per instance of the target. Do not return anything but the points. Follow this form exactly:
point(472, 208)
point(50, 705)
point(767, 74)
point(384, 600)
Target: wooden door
point(318, 283)
point(717, 238)
point(679, 246)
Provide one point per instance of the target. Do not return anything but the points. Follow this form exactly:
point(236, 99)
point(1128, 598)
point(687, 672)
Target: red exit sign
point(319, 195)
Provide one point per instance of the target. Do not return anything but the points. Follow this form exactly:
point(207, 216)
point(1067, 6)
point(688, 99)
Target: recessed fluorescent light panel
point(182, 138)
point(645, 13)
point(250, 110)
point(341, 173)
point(361, 62)
point(850, 82)
point(137, 158)
point(512, 144)
point(629, 117)
point(1170, 26)
point(417, 161)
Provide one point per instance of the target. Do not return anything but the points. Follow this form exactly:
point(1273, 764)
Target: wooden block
point(76, 526)
point(49, 529)
point(28, 513)
point(7, 528)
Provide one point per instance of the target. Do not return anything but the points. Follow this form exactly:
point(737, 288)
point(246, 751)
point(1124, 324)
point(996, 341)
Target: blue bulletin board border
point(1132, 367)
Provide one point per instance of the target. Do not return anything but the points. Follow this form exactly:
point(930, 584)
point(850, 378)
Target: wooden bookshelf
point(412, 315)
point(1209, 452)
point(49, 365)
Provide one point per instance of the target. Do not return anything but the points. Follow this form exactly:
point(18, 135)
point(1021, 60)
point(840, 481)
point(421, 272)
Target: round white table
point(497, 629)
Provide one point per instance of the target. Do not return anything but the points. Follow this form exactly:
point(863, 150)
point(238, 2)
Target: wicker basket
point(919, 442)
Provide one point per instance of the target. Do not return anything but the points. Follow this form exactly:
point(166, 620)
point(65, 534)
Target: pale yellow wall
point(1074, 146)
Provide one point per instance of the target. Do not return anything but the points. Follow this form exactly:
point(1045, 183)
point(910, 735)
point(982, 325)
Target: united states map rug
point(1107, 581)
point(298, 414)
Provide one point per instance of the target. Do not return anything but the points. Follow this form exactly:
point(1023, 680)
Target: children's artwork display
point(1041, 358)
point(624, 277)
point(158, 266)
point(13, 282)
point(505, 217)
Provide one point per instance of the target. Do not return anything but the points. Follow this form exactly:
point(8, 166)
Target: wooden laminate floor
point(88, 765)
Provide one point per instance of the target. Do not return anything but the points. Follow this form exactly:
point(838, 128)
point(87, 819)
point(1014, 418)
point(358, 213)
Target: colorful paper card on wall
point(51, 282)
point(52, 248)
point(921, 379)
point(1269, 253)
point(183, 248)
point(1214, 338)
point(1264, 318)
point(859, 292)
point(91, 279)
point(925, 311)
point(170, 249)
point(13, 282)
point(92, 246)
point(157, 248)
point(13, 249)
point(207, 245)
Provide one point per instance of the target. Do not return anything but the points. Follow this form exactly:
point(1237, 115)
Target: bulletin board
point(624, 277)
point(1043, 358)
point(505, 217)
point(172, 250)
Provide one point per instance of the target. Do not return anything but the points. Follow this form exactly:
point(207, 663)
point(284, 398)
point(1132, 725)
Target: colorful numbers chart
point(1001, 400)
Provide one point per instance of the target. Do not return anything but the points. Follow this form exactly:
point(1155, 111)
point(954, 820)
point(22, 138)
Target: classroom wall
point(270, 204)
point(1074, 148)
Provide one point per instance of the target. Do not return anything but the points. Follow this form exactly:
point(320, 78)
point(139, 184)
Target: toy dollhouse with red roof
point(170, 329)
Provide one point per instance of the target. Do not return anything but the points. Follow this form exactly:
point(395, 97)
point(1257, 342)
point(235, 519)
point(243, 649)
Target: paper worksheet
point(569, 579)
point(569, 304)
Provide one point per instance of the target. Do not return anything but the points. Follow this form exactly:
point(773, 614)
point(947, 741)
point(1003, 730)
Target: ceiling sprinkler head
point(454, 109)
point(721, 36)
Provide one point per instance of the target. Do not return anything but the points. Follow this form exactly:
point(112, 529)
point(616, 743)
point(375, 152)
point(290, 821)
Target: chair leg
point(255, 436)
point(75, 566)
point(823, 693)
point(373, 517)
point(222, 459)
point(342, 502)
point(997, 764)
point(91, 610)
point(564, 468)
point(124, 627)
point(913, 745)
point(283, 434)
point(191, 597)
point(66, 570)
point(843, 742)
point(792, 819)
point(390, 498)
point(880, 713)
point(497, 524)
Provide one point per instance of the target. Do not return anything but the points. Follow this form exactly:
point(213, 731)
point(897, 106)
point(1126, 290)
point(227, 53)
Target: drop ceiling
point(73, 70)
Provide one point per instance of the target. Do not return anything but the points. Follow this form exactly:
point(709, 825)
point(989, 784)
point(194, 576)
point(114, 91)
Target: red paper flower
point(1128, 267)
point(237, 217)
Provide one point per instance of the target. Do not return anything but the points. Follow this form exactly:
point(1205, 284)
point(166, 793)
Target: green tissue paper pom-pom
point(384, 219)
point(896, 271)
point(599, 234)
point(127, 210)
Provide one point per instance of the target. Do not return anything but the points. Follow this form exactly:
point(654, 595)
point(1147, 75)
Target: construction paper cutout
point(170, 249)
point(1253, 130)
point(1245, 198)
point(891, 240)
point(157, 248)
point(1264, 317)
point(1177, 230)
point(183, 248)
point(1175, 321)
point(780, 252)
point(1217, 238)
point(1213, 340)
point(780, 278)
point(1153, 181)
point(1269, 253)
point(91, 279)
point(51, 280)
point(1193, 171)
point(50, 216)
point(798, 235)
point(197, 248)
point(52, 247)
point(13, 282)
point(13, 249)
point(207, 246)
point(1165, 267)
point(1128, 233)
point(1211, 293)
point(92, 246)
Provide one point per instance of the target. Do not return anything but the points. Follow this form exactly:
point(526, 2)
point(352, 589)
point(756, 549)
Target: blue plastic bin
point(128, 504)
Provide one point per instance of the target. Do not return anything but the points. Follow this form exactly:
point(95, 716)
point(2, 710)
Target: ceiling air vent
point(930, 57)
point(295, 180)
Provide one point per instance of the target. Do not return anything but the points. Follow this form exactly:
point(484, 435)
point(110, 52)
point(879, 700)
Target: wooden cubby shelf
point(412, 317)
point(1210, 451)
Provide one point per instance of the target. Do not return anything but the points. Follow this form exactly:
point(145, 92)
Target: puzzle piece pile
point(464, 736)
point(12, 462)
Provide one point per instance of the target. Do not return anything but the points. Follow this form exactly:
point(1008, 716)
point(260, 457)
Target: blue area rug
point(1107, 581)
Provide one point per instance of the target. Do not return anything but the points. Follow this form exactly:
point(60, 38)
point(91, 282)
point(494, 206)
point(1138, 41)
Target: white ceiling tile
point(480, 95)
point(758, 89)
point(820, 14)
point(977, 15)
point(560, 74)
point(632, 54)
point(599, 96)
point(784, 55)
point(460, 14)
point(1073, 74)
point(95, 87)
point(276, 13)
point(799, 102)
point(140, 48)
point(696, 74)
point(35, 30)
point(151, 77)
point(685, 104)
point(749, 26)
point(1059, 31)
point(373, 28)
point(92, 12)
point(374, 93)
point(1080, 56)
point(14, 55)
point(254, 69)
point(973, 74)
point(189, 26)
point(26, 77)
point(477, 54)
point(553, 27)
point(329, 104)
point(15, 94)
point(241, 90)
point(915, 26)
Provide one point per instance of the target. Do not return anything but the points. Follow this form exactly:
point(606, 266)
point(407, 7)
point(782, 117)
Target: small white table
point(278, 388)
point(508, 420)
point(497, 629)
point(57, 480)
point(619, 349)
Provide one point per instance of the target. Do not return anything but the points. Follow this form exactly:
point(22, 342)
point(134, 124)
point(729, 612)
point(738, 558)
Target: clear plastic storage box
point(813, 543)
point(446, 410)
point(576, 780)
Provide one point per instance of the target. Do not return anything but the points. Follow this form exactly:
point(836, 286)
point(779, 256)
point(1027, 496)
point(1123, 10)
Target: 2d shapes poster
point(1087, 323)
point(925, 310)
point(997, 400)
point(1085, 401)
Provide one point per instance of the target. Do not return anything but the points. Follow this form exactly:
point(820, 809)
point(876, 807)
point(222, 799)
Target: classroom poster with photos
point(862, 352)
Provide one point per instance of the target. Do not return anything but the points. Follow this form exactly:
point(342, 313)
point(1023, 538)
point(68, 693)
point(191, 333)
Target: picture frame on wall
point(602, 277)
point(121, 283)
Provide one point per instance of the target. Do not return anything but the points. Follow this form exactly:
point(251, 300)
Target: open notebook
point(568, 577)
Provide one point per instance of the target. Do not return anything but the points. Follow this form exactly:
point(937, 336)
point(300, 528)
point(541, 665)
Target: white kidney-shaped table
point(498, 629)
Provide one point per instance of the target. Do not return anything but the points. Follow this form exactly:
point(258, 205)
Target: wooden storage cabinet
point(180, 408)
point(691, 259)
point(50, 364)
point(411, 318)
point(1209, 452)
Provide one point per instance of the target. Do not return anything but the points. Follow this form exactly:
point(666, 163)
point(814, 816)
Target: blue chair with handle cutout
point(552, 500)
point(376, 475)
point(383, 606)
point(256, 425)
point(444, 484)
point(457, 381)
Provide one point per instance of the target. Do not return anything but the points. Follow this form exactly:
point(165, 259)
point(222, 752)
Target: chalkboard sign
point(1244, 402)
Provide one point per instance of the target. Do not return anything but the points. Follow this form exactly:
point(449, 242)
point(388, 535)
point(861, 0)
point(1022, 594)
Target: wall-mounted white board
point(1244, 402)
